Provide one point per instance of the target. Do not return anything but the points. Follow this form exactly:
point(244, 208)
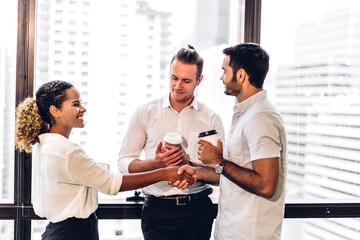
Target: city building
point(320, 101)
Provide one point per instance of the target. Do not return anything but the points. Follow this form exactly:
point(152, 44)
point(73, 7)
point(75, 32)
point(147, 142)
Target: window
point(8, 25)
point(112, 65)
point(7, 230)
point(313, 81)
point(8, 41)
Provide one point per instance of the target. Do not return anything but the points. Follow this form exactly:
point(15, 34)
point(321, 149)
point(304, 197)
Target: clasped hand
point(168, 157)
point(186, 177)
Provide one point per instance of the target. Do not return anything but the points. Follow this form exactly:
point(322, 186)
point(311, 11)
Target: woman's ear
point(54, 111)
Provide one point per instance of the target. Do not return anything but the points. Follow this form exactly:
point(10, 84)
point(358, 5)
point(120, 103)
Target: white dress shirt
point(148, 127)
point(65, 180)
point(257, 132)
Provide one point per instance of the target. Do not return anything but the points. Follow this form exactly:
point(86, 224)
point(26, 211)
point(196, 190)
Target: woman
point(65, 179)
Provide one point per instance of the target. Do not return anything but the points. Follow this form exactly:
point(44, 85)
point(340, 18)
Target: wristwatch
point(219, 168)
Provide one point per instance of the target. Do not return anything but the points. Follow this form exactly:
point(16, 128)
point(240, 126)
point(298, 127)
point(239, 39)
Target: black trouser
point(162, 221)
point(73, 229)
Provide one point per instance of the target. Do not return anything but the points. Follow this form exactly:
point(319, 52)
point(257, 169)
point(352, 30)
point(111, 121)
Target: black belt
point(178, 200)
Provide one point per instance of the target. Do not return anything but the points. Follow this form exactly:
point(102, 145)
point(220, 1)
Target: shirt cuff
point(116, 184)
point(123, 164)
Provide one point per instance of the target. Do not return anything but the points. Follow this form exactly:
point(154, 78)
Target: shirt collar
point(46, 137)
point(166, 103)
point(246, 104)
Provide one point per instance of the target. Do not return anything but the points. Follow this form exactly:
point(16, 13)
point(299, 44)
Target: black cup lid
point(207, 133)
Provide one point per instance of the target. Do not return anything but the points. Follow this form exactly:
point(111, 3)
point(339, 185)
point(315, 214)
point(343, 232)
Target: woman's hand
point(186, 177)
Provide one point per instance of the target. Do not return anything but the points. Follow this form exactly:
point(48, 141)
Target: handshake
point(170, 155)
point(181, 177)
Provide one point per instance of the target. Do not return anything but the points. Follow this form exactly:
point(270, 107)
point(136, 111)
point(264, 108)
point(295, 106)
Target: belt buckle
point(182, 201)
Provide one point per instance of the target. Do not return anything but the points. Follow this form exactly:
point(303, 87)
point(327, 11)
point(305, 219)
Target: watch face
point(218, 169)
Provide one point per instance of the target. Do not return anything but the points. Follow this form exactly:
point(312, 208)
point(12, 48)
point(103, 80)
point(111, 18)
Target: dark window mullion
point(252, 21)
point(24, 88)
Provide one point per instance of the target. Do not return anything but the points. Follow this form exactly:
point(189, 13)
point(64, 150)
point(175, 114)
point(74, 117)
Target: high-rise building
point(211, 24)
point(62, 46)
point(7, 128)
point(211, 90)
point(116, 60)
point(211, 36)
point(319, 99)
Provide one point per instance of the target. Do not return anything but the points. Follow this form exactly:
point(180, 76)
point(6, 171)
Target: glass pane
point(8, 25)
point(108, 229)
point(6, 229)
point(38, 228)
point(314, 49)
point(129, 229)
point(318, 229)
point(120, 229)
point(118, 53)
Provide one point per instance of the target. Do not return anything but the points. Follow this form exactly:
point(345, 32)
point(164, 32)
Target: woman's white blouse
point(65, 180)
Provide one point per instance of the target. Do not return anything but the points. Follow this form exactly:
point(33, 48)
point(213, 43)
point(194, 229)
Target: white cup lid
point(173, 138)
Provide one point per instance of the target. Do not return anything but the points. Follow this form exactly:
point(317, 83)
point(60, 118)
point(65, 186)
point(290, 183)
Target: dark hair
point(189, 56)
point(252, 58)
point(51, 93)
point(33, 116)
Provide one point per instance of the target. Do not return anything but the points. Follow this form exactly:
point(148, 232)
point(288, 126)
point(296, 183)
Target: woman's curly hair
point(33, 117)
point(28, 125)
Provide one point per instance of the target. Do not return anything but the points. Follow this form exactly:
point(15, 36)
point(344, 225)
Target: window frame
point(21, 210)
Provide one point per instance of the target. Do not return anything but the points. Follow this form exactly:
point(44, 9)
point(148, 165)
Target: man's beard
point(232, 88)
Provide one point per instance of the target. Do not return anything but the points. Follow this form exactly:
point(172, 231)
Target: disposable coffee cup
point(210, 136)
point(171, 140)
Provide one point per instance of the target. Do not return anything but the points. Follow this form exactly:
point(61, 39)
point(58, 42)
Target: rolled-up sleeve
point(85, 171)
point(133, 143)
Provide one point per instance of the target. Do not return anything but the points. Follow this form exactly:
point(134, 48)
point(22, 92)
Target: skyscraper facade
point(319, 99)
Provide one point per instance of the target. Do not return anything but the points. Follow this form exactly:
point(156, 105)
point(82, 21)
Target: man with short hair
point(252, 168)
point(169, 212)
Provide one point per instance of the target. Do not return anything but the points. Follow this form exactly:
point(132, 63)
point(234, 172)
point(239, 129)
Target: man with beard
point(252, 167)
